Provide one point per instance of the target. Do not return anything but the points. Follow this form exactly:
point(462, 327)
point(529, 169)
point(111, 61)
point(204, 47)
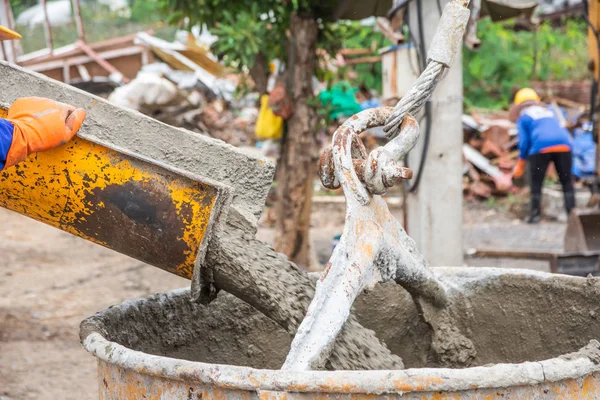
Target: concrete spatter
point(449, 346)
point(510, 319)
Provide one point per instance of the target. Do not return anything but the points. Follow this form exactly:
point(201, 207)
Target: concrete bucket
point(535, 335)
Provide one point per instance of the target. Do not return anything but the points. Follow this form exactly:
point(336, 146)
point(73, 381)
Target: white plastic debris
point(146, 90)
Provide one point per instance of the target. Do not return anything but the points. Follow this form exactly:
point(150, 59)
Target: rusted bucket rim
point(366, 382)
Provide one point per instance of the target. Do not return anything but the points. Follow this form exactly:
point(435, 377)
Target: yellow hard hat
point(7, 34)
point(526, 94)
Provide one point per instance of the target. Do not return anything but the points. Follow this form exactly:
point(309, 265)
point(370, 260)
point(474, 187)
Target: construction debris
point(147, 90)
point(189, 89)
point(192, 57)
point(489, 141)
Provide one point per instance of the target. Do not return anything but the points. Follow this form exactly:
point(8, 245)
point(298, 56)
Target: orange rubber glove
point(519, 168)
point(40, 124)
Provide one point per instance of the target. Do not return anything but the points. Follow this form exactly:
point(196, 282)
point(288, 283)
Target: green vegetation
point(245, 33)
point(508, 60)
point(354, 35)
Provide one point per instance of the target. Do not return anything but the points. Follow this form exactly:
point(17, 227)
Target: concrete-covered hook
point(346, 160)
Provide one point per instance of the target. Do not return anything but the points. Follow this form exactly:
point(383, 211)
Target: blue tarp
point(584, 152)
point(371, 103)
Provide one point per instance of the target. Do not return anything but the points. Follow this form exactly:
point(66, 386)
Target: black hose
point(417, 179)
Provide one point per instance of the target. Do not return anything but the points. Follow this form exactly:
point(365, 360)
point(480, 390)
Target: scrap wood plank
point(363, 60)
point(477, 159)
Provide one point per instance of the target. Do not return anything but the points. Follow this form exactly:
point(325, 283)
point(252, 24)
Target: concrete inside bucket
point(511, 316)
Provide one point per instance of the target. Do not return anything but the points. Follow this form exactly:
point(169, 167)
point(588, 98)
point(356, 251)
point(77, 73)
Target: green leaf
point(506, 59)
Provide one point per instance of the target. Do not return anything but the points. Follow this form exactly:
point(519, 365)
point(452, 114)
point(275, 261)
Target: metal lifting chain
point(374, 247)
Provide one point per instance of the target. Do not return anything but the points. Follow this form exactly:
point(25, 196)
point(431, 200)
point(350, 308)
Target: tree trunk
point(298, 159)
point(260, 73)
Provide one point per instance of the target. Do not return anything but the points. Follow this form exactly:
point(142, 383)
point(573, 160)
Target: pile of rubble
point(163, 97)
point(188, 88)
point(489, 154)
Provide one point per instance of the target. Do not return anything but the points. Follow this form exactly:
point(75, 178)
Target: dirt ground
point(51, 280)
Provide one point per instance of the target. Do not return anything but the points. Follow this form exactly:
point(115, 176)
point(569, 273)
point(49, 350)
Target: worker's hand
point(519, 168)
point(41, 124)
point(503, 183)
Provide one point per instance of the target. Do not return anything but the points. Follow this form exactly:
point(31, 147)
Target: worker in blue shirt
point(35, 124)
point(541, 140)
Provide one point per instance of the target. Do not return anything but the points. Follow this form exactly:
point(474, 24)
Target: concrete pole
point(434, 211)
